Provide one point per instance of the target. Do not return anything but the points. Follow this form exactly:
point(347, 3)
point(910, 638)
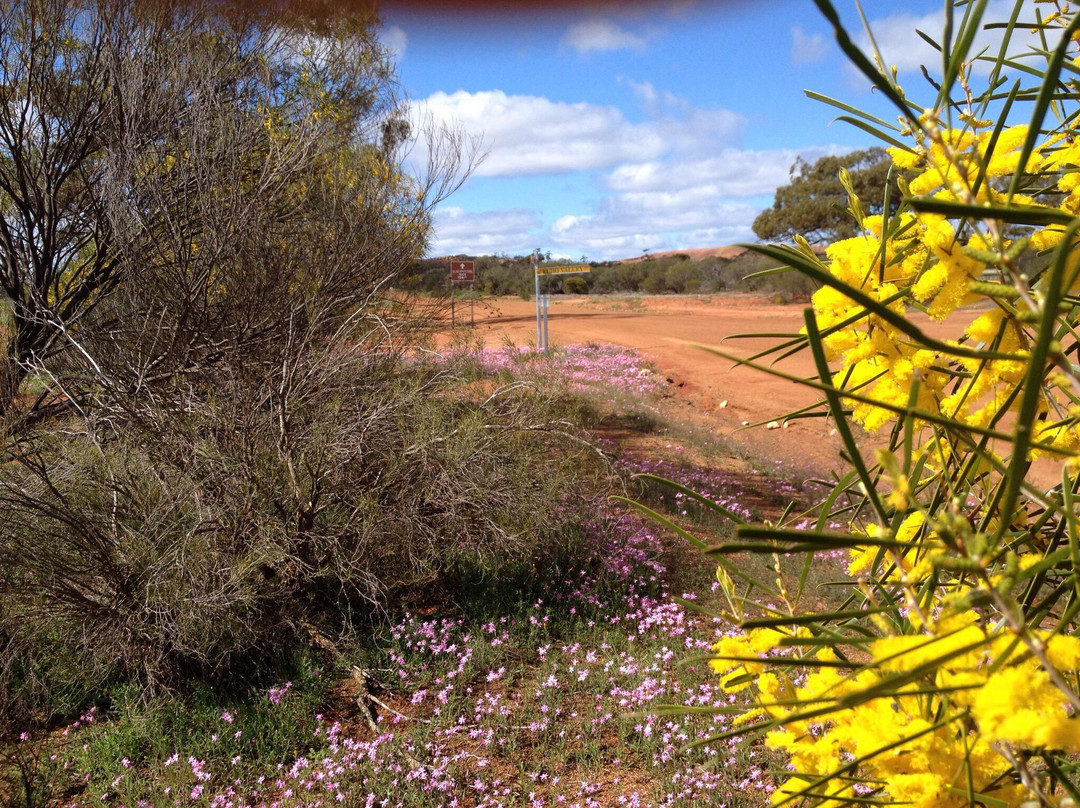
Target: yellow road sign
point(562, 270)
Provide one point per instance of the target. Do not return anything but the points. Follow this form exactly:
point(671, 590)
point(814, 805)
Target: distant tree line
point(671, 274)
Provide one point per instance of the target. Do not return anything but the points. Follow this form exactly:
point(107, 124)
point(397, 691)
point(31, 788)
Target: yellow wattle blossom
point(915, 746)
point(1006, 156)
point(958, 685)
point(956, 158)
point(930, 264)
point(986, 327)
point(1063, 651)
point(1019, 705)
point(756, 643)
point(1063, 439)
point(902, 158)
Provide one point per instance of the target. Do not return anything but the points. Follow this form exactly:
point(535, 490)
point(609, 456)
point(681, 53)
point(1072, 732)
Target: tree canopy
point(180, 183)
point(813, 203)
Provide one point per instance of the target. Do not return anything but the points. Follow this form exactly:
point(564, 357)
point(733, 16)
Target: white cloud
point(627, 224)
point(534, 135)
point(614, 247)
point(701, 131)
point(901, 46)
point(600, 34)
point(653, 100)
point(395, 40)
point(737, 173)
point(681, 203)
point(622, 226)
point(687, 128)
point(675, 180)
point(651, 213)
point(645, 92)
point(806, 49)
point(487, 233)
point(733, 231)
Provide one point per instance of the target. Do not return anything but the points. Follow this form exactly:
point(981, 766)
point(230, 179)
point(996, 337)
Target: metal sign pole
point(461, 271)
point(547, 302)
point(536, 277)
point(543, 302)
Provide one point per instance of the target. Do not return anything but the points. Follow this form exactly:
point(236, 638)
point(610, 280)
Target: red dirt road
point(663, 329)
point(714, 392)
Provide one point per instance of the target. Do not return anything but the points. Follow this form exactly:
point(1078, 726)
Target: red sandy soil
point(697, 254)
point(728, 253)
point(711, 390)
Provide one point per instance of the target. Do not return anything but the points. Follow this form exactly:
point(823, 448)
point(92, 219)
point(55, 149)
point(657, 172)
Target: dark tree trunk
point(12, 373)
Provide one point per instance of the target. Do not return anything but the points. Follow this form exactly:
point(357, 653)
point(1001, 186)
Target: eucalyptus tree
point(813, 204)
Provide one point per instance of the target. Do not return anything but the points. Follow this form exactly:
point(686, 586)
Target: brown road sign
point(461, 271)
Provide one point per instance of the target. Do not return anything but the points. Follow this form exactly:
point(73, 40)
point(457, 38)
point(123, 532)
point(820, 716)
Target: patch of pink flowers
point(584, 368)
point(588, 700)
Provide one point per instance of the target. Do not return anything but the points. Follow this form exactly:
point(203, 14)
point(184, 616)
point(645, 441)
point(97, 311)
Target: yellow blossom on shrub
point(1019, 705)
point(948, 675)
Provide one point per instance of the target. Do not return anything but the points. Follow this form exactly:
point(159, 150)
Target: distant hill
point(727, 253)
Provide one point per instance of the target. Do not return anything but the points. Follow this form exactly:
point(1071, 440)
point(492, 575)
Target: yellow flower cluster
point(734, 656)
point(923, 723)
point(921, 260)
point(876, 360)
point(949, 674)
point(951, 161)
point(934, 703)
point(904, 566)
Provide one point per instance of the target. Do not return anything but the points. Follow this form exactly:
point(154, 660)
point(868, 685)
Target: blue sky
point(618, 128)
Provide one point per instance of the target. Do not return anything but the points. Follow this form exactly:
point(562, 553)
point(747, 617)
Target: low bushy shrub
point(205, 544)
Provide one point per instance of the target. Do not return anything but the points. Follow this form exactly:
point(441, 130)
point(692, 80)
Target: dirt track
point(663, 328)
point(715, 392)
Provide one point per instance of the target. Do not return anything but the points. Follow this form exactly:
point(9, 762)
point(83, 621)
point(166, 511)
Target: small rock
point(772, 425)
point(722, 404)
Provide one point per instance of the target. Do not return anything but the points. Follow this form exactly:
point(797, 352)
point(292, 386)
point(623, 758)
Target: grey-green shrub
point(210, 542)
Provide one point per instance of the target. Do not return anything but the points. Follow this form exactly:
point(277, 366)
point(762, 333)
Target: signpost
point(536, 279)
point(542, 301)
point(461, 271)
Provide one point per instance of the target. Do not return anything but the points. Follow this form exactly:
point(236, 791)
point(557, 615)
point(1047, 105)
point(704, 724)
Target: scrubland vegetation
point(264, 541)
point(268, 542)
point(520, 673)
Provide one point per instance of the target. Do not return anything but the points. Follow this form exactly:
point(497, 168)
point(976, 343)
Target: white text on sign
point(461, 271)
